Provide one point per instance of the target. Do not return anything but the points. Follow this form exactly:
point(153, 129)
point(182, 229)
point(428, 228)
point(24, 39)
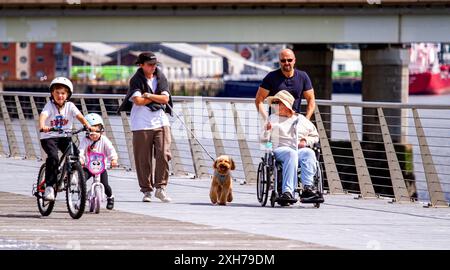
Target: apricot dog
point(221, 185)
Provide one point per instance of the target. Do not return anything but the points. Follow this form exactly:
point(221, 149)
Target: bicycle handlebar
point(67, 131)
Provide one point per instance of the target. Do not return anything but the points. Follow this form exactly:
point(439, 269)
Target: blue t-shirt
point(275, 81)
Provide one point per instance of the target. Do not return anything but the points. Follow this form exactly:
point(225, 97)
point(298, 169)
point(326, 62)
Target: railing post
point(398, 182)
point(246, 157)
point(36, 122)
point(28, 145)
point(2, 150)
point(83, 106)
point(177, 166)
point(434, 186)
point(12, 142)
point(128, 136)
point(218, 145)
point(365, 183)
point(334, 181)
point(196, 153)
point(108, 128)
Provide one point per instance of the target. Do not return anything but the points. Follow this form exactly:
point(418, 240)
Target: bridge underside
point(236, 24)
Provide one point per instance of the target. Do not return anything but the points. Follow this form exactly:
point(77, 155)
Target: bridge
point(387, 187)
point(287, 21)
point(383, 30)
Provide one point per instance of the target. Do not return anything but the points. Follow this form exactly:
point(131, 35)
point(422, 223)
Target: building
point(234, 65)
point(203, 64)
point(171, 67)
point(34, 61)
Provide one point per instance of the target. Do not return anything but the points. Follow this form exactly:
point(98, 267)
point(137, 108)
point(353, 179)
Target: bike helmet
point(64, 81)
point(94, 119)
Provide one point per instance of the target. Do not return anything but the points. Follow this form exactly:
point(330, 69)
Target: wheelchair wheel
point(273, 198)
point(262, 184)
point(319, 178)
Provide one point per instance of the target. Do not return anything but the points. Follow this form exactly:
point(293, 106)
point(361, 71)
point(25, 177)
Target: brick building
point(33, 61)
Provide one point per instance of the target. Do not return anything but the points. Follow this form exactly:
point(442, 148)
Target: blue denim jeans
point(291, 160)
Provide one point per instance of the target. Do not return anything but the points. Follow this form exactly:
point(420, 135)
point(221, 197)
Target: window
point(23, 45)
point(23, 59)
point(40, 59)
point(58, 48)
point(341, 67)
point(5, 75)
point(39, 45)
point(23, 74)
point(5, 59)
point(5, 45)
point(40, 74)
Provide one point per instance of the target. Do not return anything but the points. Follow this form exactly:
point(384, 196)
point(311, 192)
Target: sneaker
point(161, 194)
point(110, 203)
point(309, 192)
point(49, 194)
point(147, 196)
point(286, 198)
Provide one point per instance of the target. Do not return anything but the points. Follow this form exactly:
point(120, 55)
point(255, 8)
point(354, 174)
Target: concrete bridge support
point(385, 77)
point(316, 60)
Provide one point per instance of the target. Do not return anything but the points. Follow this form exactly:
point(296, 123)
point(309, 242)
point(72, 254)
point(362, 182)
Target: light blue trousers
point(305, 158)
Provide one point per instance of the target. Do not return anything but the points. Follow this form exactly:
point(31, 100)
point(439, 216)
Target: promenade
point(191, 222)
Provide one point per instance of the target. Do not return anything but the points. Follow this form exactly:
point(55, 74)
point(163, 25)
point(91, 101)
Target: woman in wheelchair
point(291, 135)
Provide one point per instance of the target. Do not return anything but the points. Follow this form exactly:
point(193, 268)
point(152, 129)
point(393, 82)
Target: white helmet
point(64, 81)
point(94, 119)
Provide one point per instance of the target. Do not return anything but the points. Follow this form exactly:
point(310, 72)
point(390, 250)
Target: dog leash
point(192, 134)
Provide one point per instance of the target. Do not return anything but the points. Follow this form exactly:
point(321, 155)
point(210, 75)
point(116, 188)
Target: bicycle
point(69, 168)
point(96, 165)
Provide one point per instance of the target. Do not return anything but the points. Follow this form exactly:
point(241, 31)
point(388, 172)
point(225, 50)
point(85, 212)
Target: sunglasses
point(286, 60)
point(275, 102)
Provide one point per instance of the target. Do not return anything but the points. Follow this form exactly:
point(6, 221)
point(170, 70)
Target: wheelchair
point(270, 176)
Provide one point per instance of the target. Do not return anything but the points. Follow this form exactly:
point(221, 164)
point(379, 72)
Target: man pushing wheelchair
point(292, 137)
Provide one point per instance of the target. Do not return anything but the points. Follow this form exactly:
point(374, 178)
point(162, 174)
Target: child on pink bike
point(99, 143)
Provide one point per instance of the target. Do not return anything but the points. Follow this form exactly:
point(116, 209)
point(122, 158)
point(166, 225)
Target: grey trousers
point(149, 144)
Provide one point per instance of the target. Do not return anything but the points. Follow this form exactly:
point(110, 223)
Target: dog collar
point(221, 177)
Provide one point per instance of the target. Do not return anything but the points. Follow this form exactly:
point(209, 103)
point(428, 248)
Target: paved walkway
point(191, 222)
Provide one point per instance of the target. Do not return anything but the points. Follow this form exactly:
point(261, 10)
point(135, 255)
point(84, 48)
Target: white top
point(103, 145)
point(142, 118)
point(283, 133)
point(59, 119)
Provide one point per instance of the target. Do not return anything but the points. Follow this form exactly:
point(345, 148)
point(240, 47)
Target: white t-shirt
point(142, 118)
point(283, 133)
point(60, 119)
point(103, 145)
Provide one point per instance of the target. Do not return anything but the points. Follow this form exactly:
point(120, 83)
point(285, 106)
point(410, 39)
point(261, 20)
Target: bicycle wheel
point(98, 198)
point(45, 207)
point(76, 192)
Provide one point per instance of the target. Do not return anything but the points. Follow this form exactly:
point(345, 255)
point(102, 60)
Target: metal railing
point(369, 148)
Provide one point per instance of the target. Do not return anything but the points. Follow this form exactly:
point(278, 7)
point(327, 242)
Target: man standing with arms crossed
point(287, 78)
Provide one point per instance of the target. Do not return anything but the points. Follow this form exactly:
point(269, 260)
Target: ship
point(427, 74)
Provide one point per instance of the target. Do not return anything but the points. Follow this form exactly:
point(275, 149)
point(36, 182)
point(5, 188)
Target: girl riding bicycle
point(58, 113)
point(96, 142)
